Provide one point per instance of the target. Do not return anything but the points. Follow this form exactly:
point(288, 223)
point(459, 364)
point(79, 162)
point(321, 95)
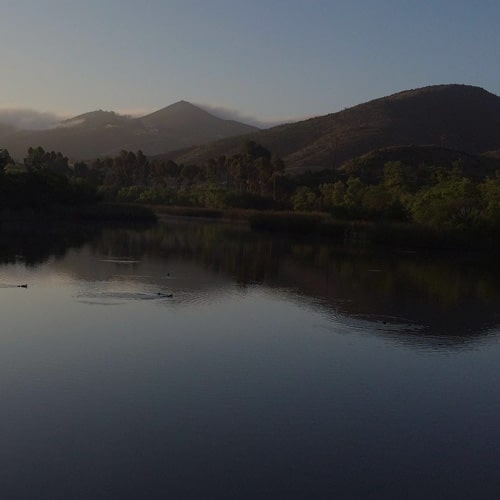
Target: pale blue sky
point(269, 59)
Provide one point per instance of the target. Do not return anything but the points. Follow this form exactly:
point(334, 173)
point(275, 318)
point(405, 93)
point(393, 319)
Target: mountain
point(102, 133)
point(6, 130)
point(457, 117)
point(187, 124)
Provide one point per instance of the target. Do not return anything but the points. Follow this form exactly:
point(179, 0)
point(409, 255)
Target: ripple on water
point(120, 298)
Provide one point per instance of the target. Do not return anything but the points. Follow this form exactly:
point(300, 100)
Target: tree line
point(42, 180)
point(429, 195)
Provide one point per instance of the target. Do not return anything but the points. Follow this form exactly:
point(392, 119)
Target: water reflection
point(34, 242)
point(412, 299)
point(199, 360)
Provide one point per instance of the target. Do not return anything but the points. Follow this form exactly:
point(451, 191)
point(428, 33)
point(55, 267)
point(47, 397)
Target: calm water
point(276, 369)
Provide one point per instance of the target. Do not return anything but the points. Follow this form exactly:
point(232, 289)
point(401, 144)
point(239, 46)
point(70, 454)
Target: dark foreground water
point(275, 369)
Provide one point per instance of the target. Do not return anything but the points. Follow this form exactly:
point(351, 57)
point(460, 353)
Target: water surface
point(200, 360)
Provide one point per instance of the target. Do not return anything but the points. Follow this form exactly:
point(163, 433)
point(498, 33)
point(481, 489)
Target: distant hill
point(6, 130)
point(456, 117)
point(102, 133)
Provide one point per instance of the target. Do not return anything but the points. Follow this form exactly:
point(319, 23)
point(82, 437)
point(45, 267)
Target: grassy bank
point(407, 236)
point(404, 236)
point(210, 213)
point(234, 214)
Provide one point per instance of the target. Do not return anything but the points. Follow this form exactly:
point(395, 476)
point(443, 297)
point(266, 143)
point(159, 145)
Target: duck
point(23, 286)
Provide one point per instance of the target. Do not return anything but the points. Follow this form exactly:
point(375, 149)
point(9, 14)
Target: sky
point(260, 61)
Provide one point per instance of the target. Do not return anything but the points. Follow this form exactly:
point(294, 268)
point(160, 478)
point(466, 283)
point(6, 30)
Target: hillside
point(6, 130)
point(457, 117)
point(102, 133)
point(187, 124)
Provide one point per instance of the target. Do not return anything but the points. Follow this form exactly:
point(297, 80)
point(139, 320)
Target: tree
point(399, 178)
point(304, 199)
point(189, 173)
point(453, 203)
point(255, 150)
point(353, 197)
point(5, 159)
point(38, 159)
point(35, 158)
point(278, 167)
point(332, 195)
point(490, 193)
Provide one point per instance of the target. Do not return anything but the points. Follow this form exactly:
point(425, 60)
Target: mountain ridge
point(453, 116)
point(103, 133)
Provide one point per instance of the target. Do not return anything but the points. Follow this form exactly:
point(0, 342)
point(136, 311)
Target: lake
point(200, 360)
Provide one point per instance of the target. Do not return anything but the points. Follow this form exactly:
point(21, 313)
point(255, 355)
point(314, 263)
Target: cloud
point(29, 119)
point(135, 112)
point(232, 114)
point(71, 123)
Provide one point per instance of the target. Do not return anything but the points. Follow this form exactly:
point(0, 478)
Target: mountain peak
point(189, 117)
point(181, 104)
point(447, 88)
point(174, 111)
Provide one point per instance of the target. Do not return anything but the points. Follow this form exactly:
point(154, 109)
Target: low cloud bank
point(29, 119)
point(232, 114)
